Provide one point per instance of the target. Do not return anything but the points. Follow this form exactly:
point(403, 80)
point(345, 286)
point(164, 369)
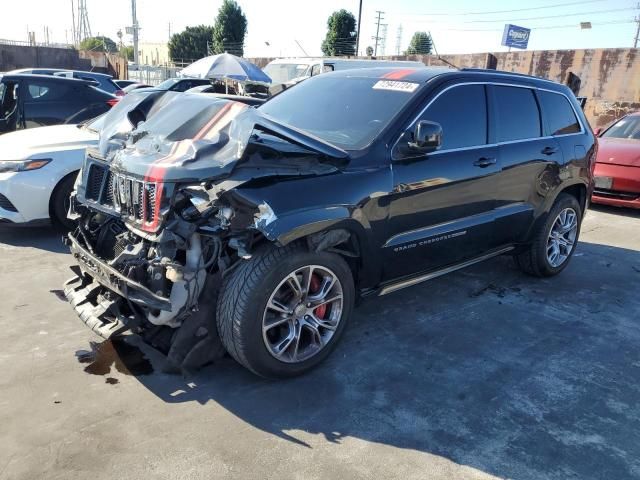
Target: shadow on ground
point(514, 376)
point(43, 238)
point(626, 212)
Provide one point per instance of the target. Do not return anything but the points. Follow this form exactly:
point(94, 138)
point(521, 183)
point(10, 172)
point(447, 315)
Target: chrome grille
point(129, 197)
point(133, 198)
point(108, 193)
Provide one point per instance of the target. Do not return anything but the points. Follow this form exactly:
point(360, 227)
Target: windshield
point(628, 127)
point(284, 72)
point(348, 112)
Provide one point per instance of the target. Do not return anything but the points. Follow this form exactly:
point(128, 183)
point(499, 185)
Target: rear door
point(441, 206)
point(45, 102)
point(529, 161)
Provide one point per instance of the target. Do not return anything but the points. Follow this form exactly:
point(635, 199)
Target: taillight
point(119, 93)
point(112, 101)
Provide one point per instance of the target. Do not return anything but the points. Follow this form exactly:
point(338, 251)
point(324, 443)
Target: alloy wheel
point(562, 237)
point(302, 314)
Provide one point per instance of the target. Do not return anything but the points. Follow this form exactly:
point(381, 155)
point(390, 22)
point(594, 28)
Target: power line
point(550, 27)
point(592, 12)
point(505, 11)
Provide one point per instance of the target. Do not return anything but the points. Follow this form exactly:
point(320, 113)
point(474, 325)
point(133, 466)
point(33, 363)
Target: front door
point(441, 207)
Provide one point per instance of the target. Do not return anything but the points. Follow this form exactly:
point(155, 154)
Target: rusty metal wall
point(610, 78)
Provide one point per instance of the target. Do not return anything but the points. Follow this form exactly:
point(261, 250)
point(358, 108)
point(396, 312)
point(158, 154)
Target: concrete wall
point(20, 56)
point(610, 78)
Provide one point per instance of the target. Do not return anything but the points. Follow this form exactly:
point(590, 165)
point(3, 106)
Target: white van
point(293, 70)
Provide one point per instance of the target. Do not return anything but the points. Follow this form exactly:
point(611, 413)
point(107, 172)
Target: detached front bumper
point(101, 295)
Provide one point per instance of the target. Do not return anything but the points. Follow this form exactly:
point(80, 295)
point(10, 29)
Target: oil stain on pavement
point(114, 353)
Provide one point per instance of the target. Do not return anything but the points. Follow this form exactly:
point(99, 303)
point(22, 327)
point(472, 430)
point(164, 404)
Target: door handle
point(484, 162)
point(549, 150)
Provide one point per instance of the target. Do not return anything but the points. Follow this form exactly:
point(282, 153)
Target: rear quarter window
point(559, 115)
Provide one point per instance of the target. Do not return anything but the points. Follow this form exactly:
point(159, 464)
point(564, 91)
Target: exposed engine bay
point(162, 218)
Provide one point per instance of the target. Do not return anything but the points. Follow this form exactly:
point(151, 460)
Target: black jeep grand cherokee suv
point(214, 225)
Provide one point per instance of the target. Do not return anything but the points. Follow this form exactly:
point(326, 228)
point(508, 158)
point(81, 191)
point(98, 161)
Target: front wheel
point(555, 240)
point(60, 201)
point(281, 312)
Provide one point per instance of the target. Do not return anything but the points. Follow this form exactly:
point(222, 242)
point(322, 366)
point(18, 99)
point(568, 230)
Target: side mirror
point(427, 137)
point(597, 131)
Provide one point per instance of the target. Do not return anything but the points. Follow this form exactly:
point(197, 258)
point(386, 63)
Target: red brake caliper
point(315, 287)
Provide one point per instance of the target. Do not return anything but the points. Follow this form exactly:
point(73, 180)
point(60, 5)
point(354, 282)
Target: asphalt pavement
point(485, 373)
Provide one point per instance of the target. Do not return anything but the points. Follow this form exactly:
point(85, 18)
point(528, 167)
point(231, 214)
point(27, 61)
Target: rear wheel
point(282, 312)
point(60, 202)
point(555, 241)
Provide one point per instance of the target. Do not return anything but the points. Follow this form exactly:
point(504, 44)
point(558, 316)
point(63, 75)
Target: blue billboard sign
point(516, 37)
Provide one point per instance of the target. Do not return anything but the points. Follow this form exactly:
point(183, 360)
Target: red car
point(617, 173)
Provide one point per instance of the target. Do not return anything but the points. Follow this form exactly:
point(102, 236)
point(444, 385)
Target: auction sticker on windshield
point(408, 87)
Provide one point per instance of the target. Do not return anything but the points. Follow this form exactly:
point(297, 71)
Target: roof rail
point(511, 74)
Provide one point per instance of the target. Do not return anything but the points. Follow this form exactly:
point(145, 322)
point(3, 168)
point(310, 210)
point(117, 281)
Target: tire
point(535, 260)
point(244, 320)
point(59, 203)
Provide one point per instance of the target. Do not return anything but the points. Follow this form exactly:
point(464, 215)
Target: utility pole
point(398, 39)
point(377, 37)
point(134, 19)
point(637, 20)
point(358, 29)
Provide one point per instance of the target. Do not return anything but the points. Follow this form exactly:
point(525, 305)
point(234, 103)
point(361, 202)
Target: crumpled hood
point(24, 144)
point(619, 151)
point(177, 146)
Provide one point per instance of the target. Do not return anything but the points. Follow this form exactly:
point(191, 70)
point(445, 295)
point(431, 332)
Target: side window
point(327, 68)
point(462, 113)
point(46, 92)
point(517, 114)
point(315, 70)
point(560, 117)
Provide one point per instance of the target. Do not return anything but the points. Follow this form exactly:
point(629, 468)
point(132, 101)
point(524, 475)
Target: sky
point(297, 27)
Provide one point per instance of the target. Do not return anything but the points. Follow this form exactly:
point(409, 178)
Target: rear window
point(348, 112)
point(517, 113)
point(560, 117)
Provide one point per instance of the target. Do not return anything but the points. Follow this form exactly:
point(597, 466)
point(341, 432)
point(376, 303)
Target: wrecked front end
point(160, 219)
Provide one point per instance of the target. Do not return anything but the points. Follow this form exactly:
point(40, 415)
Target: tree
point(230, 29)
point(127, 52)
point(191, 44)
point(421, 44)
point(341, 34)
point(99, 44)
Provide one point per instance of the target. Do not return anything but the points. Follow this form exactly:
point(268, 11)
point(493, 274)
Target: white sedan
point(38, 168)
